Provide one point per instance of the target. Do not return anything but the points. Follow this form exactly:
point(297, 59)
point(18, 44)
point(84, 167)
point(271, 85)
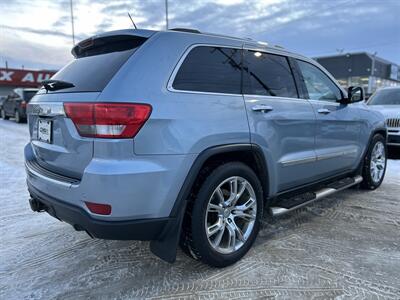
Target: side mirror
point(355, 94)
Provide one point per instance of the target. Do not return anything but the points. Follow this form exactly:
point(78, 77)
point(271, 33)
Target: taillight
point(108, 120)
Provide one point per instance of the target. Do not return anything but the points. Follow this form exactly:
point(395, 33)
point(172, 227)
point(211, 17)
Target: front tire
point(374, 168)
point(223, 219)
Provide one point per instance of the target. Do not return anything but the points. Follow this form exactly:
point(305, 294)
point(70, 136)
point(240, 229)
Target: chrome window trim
point(46, 109)
point(249, 47)
point(243, 47)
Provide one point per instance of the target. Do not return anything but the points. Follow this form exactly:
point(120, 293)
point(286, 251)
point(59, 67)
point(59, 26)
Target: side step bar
point(289, 204)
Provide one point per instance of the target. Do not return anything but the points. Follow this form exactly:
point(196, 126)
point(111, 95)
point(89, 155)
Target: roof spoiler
point(106, 44)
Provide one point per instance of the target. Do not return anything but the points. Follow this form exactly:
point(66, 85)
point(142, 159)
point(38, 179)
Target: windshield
point(385, 97)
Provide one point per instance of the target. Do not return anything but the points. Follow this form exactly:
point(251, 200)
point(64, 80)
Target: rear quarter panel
point(181, 122)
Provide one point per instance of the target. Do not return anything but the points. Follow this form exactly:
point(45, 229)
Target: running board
point(292, 203)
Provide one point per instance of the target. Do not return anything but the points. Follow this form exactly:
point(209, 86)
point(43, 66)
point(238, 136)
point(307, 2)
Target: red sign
point(23, 78)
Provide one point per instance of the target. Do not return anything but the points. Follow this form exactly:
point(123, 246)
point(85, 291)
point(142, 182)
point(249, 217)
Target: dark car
point(15, 104)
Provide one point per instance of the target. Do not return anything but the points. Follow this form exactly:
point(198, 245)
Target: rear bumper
point(146, 229)
point(138, 188)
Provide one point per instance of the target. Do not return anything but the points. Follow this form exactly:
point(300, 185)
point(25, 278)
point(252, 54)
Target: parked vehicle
point(387, 101)
point(15, 104)
point(183, 137)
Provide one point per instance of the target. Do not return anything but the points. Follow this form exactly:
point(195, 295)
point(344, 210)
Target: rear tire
point(3, 115)
point(374, 168)
point(219, 227)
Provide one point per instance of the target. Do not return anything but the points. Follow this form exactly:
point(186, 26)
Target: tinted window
point(318, 84)
point(97, 63)
point(210, 69)
point(28, 95)
point(91, 74)
point(268, 74)
point(385, 97)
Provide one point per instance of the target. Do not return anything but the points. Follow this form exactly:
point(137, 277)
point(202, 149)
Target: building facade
point(362, 69)
point(18, 78)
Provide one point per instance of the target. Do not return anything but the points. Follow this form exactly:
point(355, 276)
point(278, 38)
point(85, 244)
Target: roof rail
point(186, 30)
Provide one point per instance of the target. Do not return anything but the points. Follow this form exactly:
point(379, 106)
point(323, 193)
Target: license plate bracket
point(45, 130)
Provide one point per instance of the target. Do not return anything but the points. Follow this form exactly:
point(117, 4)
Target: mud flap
point(166, 246)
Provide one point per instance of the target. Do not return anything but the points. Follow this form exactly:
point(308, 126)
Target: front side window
point(318, 84)
point(269, 75)
point(210, 69)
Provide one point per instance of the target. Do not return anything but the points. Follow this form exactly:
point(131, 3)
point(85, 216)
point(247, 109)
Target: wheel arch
point(381, 130)
point(249, 154)
point(166, 245)
point(378, 130)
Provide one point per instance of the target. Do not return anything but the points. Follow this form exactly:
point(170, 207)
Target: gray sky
point(37, 33)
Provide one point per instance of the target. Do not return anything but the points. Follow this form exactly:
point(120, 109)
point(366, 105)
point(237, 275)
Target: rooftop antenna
point(134, 25)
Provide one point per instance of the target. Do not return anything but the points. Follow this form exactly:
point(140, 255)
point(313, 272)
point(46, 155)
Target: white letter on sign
point(6, 76)
point(28, 77)
point(40, 77)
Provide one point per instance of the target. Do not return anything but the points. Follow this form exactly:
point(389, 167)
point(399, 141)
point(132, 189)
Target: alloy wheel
point(378, 162)
point(231, 215)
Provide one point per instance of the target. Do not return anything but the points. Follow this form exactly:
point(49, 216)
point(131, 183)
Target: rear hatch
point(57, 144)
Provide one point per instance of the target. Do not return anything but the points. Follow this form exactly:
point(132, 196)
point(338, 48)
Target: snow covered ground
point(344, 246)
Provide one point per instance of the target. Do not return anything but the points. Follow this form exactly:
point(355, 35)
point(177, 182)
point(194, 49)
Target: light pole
point(372, 81)
point(72, 23)
point(166, 14)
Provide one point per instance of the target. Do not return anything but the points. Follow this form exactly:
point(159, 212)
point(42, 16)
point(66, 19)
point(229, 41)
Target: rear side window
point(97, 62)
point(210, 69)
point(269, 75)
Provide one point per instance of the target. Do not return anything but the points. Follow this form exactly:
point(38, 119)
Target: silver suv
point(387, 101)
point(180, 137)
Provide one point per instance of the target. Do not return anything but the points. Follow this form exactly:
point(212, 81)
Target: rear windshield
point(385, 97)
point(96, 64)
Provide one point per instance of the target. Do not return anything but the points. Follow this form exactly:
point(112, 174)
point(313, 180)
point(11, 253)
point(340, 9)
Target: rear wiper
point(54, 85)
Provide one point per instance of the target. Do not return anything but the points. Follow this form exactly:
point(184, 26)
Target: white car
point(387, 101)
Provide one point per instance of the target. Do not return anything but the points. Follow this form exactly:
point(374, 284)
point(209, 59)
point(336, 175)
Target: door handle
point(262, 108)
point(324, 111)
